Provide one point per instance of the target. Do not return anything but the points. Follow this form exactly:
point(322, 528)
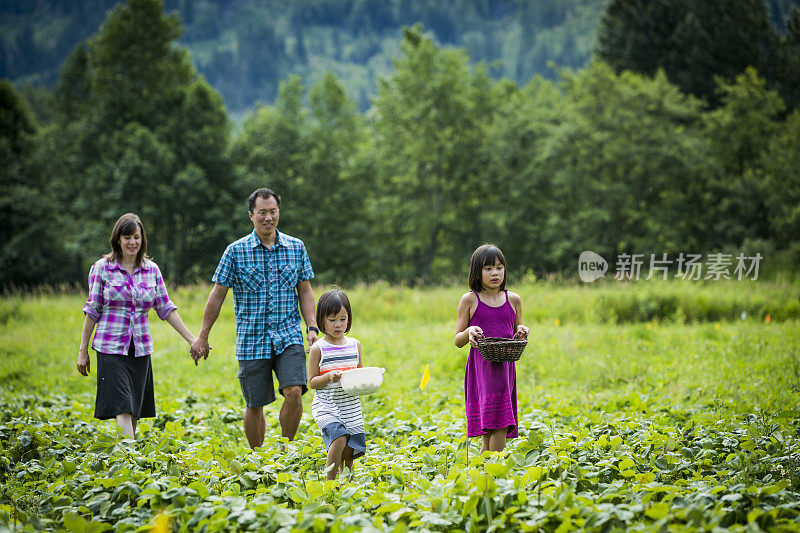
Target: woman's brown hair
point(127, 224)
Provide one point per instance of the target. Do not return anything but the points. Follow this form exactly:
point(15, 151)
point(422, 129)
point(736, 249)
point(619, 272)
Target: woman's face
point(131, 244)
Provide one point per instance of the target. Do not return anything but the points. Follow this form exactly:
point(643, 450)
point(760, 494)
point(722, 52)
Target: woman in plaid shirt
point(123, 286)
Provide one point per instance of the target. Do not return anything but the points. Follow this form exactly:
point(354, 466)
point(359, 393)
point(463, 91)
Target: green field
point(644, 406)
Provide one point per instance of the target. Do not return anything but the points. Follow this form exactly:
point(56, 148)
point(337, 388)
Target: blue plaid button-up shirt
point(264, 283)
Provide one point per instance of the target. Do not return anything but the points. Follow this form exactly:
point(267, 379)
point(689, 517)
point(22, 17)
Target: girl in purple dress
point(490, 388)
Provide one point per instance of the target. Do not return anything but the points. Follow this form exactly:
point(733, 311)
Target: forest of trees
point(244, 48)
point(667, 153)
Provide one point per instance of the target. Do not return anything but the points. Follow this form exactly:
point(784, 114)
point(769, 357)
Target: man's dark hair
point(264, 193)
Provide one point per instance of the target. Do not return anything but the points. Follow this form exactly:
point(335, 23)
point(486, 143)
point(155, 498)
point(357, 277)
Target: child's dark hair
point(330, 303)
point(488, 254)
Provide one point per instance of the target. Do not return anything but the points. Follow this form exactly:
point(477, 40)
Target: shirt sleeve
point(306, 272)
point(224, 275)
point(94, 304)
point(162, 304)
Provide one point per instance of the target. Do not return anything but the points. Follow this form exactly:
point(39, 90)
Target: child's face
point(493, 275)
point(335, 325)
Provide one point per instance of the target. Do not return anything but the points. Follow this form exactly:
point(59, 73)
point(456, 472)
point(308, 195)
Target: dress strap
point(477, 296)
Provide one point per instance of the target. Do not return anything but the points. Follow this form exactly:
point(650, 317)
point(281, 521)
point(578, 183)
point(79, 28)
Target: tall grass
point(679, 340)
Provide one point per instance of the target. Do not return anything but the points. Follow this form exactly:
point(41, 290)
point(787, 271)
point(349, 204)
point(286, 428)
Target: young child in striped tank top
point(337, 413)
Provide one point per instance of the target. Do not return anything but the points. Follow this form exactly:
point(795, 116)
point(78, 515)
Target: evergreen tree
point(692, 41)
point(32, 250)
point(149, 136)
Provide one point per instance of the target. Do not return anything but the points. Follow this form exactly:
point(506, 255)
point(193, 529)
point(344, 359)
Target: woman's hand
point(83, 362)
point(335, 375)
point(199, 349)
point(475, 334)
point(522, 332)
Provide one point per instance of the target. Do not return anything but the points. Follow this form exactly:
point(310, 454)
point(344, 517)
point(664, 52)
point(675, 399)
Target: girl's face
point(130, 245)
point(493, 275)
point(335, 325)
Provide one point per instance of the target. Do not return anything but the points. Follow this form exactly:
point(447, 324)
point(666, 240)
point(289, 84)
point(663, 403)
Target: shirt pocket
point(252, 278)
point(145, 294)
point(116, 290)
point(288, 277)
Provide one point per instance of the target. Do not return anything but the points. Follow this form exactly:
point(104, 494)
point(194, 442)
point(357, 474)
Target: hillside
point(244, 48)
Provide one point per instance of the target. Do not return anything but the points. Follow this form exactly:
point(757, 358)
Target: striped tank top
point(331, 404)
point(338, 357)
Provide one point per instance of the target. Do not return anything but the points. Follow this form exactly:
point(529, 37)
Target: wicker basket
point(500, 350)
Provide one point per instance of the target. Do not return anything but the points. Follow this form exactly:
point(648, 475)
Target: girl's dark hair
point(127, 224)
point(488, 254)
point(330, 303)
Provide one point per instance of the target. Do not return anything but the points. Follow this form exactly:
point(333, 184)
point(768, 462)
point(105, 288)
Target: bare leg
point(347, 460)
point(485, 442)
point(291, 410)
point(127, 424)
point(497, 439)
point(335, 456)
point(254, 426)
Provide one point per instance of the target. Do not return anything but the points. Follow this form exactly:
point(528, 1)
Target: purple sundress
point(490, 389)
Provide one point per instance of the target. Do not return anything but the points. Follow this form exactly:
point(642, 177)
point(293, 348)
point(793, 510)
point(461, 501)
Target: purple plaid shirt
point(119, 302)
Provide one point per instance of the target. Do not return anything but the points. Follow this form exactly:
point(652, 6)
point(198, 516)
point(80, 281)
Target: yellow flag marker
point(426, 377)
point(161, 524)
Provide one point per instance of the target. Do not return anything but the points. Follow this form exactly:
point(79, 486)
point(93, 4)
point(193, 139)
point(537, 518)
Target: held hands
point(522, 332)
point(83, 362)
point(475, 334)
point(335, 375)
point(200, 349)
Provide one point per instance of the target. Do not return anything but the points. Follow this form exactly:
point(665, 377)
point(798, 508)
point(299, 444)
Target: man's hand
point(200, 349)
point(311, 337)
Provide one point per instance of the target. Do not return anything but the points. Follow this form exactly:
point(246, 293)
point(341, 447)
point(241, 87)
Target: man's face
point(265, 216)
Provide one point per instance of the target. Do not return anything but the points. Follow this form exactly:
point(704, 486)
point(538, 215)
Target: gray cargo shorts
point(255, 375)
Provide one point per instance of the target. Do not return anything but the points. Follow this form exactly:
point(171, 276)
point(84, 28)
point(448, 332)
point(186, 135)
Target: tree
point(428, 135)
point(781, 185)
point(31, 250)
point(136, 71)
point(693, 41)
point(311, 157)
point(520, 211)
point(627, 167)
point(741, 131)
point(149, 136)
point(787, 60)
point(340, 184)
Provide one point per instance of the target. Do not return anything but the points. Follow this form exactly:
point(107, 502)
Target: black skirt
point(124, 385)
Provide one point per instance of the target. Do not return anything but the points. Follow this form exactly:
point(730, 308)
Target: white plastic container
point(360, 381)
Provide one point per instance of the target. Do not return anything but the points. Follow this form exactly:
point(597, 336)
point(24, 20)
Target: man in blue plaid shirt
point(270, 274)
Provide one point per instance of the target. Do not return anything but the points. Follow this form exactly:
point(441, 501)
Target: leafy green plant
point(643, 425)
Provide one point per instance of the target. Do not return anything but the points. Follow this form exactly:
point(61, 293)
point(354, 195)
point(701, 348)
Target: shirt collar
point(280, 239)
point(114, 264)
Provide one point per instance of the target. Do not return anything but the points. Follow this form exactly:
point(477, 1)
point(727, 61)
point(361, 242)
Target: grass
point(631, 395)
